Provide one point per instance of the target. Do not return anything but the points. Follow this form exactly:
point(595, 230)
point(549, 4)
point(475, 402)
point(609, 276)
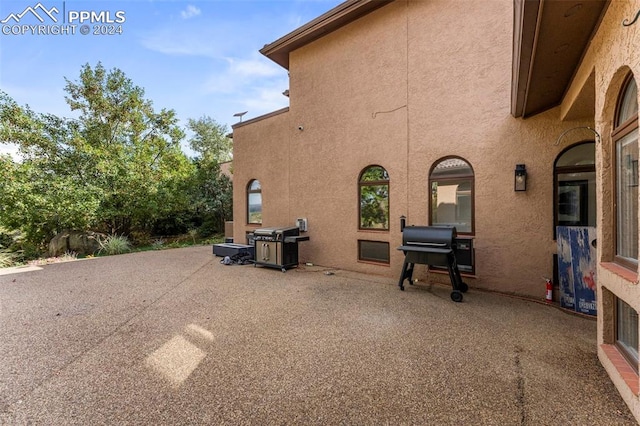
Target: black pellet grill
point(277, 247)
point(434, 246)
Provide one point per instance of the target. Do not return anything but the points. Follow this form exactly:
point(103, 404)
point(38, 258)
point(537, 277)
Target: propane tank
point(549, 295)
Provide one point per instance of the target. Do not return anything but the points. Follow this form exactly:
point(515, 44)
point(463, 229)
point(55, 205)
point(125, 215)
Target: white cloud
point(181, 43)
point(253, 67)
point(227, 94)
point(265, 99)
point(190, 12)
point(215, 37)
point(241, 73)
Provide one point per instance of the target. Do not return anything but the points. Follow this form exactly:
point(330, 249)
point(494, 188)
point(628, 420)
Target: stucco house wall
point(613, 53)
point(260, 151)
point(402, 87)
point(416, 81)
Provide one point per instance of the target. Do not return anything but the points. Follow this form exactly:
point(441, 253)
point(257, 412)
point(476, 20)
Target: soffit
point(339, 16)
point(550, 37)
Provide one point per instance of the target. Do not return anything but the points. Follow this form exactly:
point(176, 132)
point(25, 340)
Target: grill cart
point(277, 247)
point(435, 246)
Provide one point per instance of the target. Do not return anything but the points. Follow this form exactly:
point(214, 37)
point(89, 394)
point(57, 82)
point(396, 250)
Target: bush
point(69, 256)
point(7, 259)
point(6, 239)
point(114, 244)
point(140, 238)
point(210, 226)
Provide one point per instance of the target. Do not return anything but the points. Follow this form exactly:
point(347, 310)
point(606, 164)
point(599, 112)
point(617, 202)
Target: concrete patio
point(175, 337)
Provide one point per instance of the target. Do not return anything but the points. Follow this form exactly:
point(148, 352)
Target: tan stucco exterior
point(613, 53)
point(403, 87)
point(413, 82)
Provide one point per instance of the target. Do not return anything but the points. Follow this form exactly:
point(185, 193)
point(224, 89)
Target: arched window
point(575, 186)
point(373, 194)
point(625, 139)
point(254, 202)
point(451, 195)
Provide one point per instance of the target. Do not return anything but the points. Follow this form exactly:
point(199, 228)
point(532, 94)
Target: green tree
point(46, 191)
point(134, 152)
point(211, 195)
point(116, 168)
point(374, 198)
point(209, 140)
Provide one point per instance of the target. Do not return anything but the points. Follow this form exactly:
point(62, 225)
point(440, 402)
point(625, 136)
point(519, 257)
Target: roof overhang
point(549, 41)
point(339, 16)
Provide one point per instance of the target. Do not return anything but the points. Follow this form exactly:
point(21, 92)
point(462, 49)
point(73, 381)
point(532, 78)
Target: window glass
point(373, 251)
point(580, 155)
point(629, 103)
point(374, 173)
point(627, 330)
point(452, 194)
point(575, 190)
point(374, 198)
point(627, 196)
point(254, 202)
point(626, 152)
point(576, 203)
point(451, 167)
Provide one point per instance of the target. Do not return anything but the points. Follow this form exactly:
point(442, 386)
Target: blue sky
point(195, 57)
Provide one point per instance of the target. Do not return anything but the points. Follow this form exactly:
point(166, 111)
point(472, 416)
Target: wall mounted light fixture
point(520, 183)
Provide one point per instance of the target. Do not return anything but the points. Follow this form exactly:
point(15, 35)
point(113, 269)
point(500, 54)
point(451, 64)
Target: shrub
point(114, 244)
point(69, 256)
point(6, 239)
point(140, 238)
point(7, 259)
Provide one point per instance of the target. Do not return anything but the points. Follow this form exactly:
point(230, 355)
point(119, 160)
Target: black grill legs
point(407, 274)
point(458, 285)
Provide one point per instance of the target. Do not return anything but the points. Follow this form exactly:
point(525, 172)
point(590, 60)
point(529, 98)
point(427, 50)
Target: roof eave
point(541, 75)
point(525, 22)
point(339, 16)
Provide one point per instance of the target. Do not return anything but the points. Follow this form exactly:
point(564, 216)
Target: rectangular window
point(452, 204)
point(255, 207)
point(374, 207)
point(627, 199)
point(373, 190)
point(465, 256)
point(627, 331)
point(373, 251)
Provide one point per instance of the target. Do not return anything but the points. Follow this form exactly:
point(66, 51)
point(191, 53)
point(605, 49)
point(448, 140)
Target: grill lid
point(287, 231)
point(429, 236)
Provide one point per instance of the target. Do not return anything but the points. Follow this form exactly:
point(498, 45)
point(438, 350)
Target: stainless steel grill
point(434, 246)
point(277, 247)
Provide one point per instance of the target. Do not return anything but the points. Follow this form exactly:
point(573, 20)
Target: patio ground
point(175, 337)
